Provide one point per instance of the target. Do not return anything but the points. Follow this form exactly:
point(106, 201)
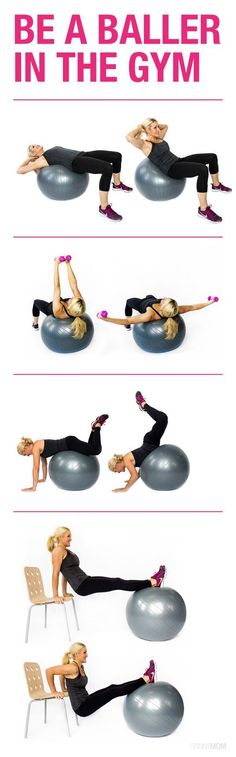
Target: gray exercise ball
point(155, 185)
point(165, 468)
point(151, 336)
point(154, 709)
point(59, 183)
point(57, 335)
point(73, 471)
point(156, 614)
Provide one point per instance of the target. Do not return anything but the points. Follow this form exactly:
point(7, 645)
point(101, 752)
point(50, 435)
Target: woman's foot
point(35, 326)
point(220, 188)
point(150, 672)
point(109, 213)
point(140, 400)
point(209, 214)
point(122, 186)
point(159, 576)
point(100, 420)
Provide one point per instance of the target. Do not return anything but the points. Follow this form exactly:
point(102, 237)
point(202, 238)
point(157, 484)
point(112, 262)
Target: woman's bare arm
point(72, 281)
point(199, 306)
point(35, 471)
point(63, 684)
point(57, 557)
point(57, 306)
point(59, 670)
point(163, 129)
point(141, 318)
point(134, 475)
point(32, 165)
point(44, 470)
point(134, 137)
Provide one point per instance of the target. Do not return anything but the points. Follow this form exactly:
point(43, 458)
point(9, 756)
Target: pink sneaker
point(109, 213)
point(160, 575)
point(150, 672)
point(209, 214)
point(139, 399)
point(100, 419)
point(122, 186)
point(221, 188)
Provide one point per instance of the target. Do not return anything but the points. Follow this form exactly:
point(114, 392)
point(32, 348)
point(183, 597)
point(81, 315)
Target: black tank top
point(51, 307)
point(76, 688)
point(162, 157)
point(70, 569)
point(52, 446)
point(61, 156)
point(141, 452)
point(148, 302)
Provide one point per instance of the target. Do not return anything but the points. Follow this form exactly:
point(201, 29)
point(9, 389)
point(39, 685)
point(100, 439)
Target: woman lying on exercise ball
point(66, 562)
point(102, 162)
point(71, 307)
point(73, 681)
point(43, 448)
point(152, 309)
point(150, 138)
point(151, 440)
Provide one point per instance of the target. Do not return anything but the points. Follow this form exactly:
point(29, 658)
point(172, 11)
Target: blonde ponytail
point(79, 328)
point(75, 309)
point(68, 657)
point(171, 328)
point(53, 540)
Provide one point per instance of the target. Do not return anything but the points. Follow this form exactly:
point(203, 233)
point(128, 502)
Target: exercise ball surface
point(57, 335)
point(151, 336)
point(156, 614)
point(165, 468)
point(73, 471)
point(59, 183)
point(154, 709)
point(155, 185)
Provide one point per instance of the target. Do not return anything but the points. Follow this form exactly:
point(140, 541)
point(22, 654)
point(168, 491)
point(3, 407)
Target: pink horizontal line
point(81, 236)
point(118, 99)
point(111, 512)
point(118, 374)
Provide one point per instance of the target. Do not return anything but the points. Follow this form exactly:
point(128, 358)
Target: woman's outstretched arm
point(44, 470)
point(35, 472)
point(199, 306)
point(56, 288)
point(72, 280)
point(141, 318)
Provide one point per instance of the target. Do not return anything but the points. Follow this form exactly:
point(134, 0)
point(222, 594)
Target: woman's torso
point(76, 688)
point(160, 155)
point(140, 453)
point(52, 446)
point(150, 301)
point(61, 156)
point(70, 569)
point(64, 313)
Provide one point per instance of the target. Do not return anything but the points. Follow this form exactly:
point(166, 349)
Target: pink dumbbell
point(68, 258)
point(215, 299)
point(61, 259)
point(103, 314)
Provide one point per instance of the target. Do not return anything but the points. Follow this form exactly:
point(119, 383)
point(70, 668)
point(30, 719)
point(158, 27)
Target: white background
point(199, 408)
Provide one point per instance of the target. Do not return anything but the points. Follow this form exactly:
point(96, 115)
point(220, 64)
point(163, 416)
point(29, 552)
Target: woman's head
point(75, 308)
point(151, 128)
point(34, 151)
point(169, 309)
point(77, 653)
point(25, 446)
point(116, 464)
point(61, 537)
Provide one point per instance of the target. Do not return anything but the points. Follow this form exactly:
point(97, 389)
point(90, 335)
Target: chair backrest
point(34, 584)
point(34, 679)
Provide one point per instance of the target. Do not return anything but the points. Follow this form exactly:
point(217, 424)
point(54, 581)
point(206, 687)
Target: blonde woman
point(103, 162)
point(153, 309)
point(132, 460)
point(67, 563)
point(73, 680)
point(150, 138)
point(41, 449)
point(71, 307)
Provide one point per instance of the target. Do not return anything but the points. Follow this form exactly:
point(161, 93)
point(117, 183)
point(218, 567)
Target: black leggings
point(195, 165)
point(157, 431)
point(91, 447)
point(96, 700)
point(42, 306)
point(99, 161)
point(141, 305)
point(98, 584)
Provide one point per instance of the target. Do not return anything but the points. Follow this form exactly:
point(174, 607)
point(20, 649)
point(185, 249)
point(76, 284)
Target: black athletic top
point(162, 157)
point(60, 156)
point(50, 307)
point(70, 569)
point(76, 688)
point(148, 302)
point(141, 452)
point(51, 446)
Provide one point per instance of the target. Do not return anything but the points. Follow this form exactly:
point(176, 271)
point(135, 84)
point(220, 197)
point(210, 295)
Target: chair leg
point(66, 716)
point(27, 720)
point(75, 614)
point(45, 615)
point(76, 719)
point(45, 710)
point(28, 624)
point(67, 624)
